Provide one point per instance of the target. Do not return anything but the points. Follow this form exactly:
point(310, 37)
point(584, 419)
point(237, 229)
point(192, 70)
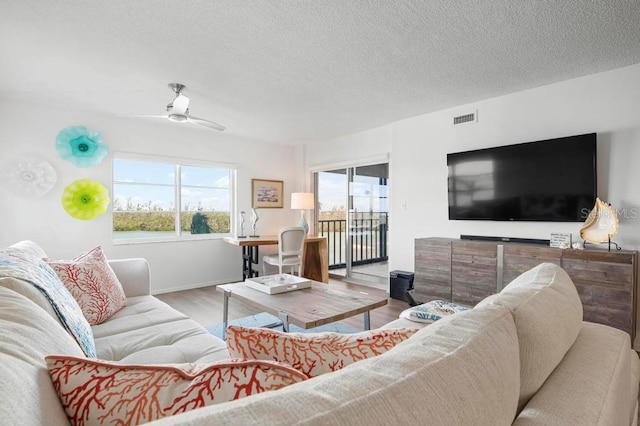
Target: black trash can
point(399, 283)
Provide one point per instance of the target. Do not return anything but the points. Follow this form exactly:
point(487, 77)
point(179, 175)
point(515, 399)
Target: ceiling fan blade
point(142, 116)
point(206, 123)
point(180, 104)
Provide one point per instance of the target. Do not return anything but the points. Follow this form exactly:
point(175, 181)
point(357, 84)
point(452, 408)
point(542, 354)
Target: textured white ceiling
point(290, 71)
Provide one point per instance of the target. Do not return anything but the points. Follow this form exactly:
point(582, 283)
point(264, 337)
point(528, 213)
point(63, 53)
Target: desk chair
point(290, 246)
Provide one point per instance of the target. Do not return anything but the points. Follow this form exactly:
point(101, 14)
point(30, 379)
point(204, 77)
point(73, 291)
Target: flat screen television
point(549, 181)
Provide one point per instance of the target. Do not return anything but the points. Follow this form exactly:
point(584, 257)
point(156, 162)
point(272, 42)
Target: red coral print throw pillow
point(93, 284)
point(98, 392)
point(312, 353)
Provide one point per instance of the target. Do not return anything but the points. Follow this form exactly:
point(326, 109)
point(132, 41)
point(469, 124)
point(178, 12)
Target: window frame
point(176, 163)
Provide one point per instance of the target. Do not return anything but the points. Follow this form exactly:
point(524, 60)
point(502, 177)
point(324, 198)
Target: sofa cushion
point(28, 335)
point(19, 264)
point(180, 341)
point(97, 392)
point(140, 312)
point(92, 283)
point(461, 370)
point(547, 312)
point(312, 353)
point(590, 385)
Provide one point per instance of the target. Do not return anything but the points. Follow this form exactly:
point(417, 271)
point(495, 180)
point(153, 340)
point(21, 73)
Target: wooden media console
point(466, 271)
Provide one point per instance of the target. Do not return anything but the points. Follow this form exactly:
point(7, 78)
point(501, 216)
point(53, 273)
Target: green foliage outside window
point(217, 222)
point(163, 200)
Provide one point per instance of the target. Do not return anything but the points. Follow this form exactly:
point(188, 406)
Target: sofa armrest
point(133, 274)
point(590, 385)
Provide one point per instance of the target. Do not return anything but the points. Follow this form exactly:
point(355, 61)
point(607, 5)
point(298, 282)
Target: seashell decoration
point(601, 224)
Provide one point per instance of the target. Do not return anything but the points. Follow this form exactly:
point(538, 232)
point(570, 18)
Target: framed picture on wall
point(266, 193)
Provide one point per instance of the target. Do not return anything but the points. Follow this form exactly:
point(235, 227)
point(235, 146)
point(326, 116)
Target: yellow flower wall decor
point(85, 199)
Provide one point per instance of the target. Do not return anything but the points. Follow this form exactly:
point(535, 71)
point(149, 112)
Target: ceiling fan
point(178, 110)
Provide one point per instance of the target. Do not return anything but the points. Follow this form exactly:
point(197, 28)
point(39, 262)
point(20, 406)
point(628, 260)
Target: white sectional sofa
point(522, 357)
point(146, 331)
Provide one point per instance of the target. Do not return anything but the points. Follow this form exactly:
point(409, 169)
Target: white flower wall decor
point(28, 177)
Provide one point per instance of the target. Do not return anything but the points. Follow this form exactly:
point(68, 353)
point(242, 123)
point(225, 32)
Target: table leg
point(249, 258)
point(225, 313)
point(254, 260)
point(367, 321)
point(245, 263)
point(285, 321)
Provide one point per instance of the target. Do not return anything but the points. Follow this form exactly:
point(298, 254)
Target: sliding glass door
point(353, 213)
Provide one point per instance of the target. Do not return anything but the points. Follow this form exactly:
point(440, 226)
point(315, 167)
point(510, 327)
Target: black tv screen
point(551, 181)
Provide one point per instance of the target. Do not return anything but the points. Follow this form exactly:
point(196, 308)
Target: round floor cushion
point(432, 311)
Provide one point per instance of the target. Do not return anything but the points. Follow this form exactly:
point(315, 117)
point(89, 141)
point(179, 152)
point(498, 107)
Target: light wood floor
point(204, 305)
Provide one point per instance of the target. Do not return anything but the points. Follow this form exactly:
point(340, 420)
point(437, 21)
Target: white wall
point(607, 103)
point(349, 149)
point(30, 129)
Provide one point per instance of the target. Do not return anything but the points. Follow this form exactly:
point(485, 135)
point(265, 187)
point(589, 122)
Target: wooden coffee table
point(311, 307)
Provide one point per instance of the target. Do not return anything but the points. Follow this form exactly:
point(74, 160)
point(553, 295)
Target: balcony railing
point(369, 239)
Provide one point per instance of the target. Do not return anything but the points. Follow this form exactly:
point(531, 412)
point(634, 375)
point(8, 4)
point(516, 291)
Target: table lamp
point(302, 201)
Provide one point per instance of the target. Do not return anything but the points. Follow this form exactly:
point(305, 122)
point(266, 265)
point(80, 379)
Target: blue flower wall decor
point(81, 147)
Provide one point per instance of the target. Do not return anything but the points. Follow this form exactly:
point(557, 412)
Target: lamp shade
point(302, 200)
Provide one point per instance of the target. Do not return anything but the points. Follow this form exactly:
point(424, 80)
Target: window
point(146, 193)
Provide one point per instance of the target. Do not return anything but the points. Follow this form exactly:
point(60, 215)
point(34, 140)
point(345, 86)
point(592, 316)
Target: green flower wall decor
point(81, 147)
point(85, 199)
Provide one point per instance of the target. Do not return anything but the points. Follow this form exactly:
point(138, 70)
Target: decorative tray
point(280, 283)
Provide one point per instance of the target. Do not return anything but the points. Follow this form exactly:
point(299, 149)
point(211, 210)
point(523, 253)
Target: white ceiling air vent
point(466, 118)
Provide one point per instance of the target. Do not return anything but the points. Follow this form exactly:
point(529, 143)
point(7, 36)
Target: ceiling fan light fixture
point(178, 111)
point(177, 118)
